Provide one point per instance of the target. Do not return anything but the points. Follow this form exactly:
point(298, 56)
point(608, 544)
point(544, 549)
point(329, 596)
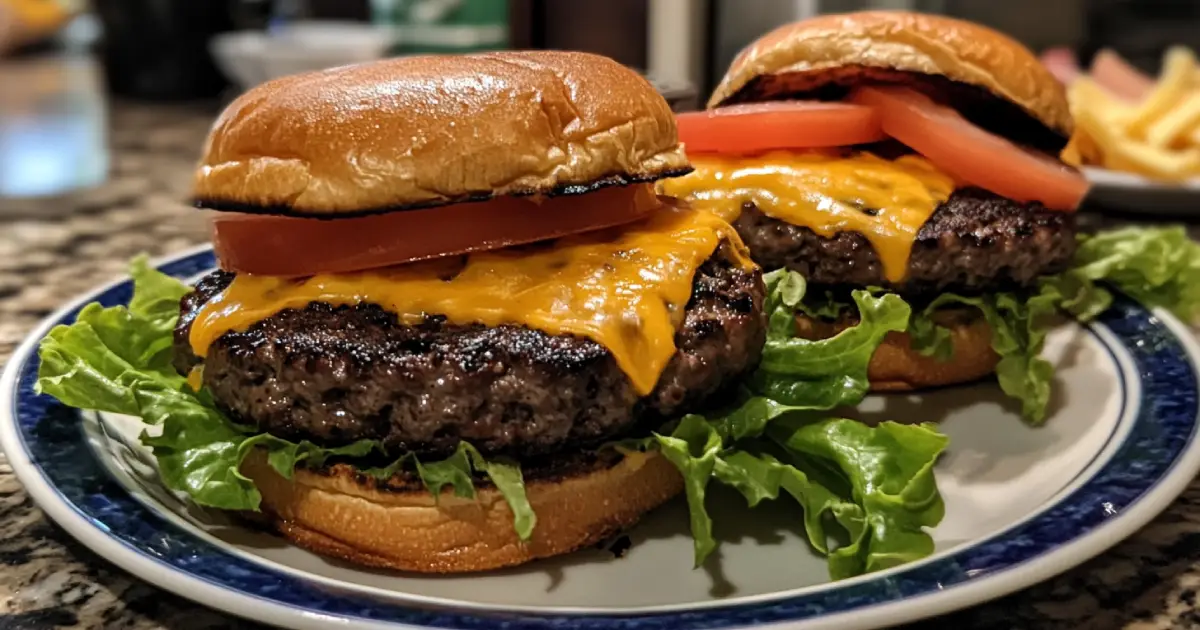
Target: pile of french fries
point(1127, 122)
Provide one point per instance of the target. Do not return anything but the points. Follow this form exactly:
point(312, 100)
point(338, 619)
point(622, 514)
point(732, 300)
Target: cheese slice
point(195, 378)
point(625, 288)
point(887, 201)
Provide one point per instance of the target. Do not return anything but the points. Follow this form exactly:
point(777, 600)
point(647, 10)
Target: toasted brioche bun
point(425, 131)
point(896, 366)
point(805, 55)
point(338, 514)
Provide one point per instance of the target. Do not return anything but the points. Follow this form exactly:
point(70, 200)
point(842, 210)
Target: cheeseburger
point(438, 266)
point(905, 154)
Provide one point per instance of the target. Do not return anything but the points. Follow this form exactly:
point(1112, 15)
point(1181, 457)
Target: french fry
point(1178, 68)
point(1175, 122)
point(1085, 92)
point(1122, 153)
point(1157, 136)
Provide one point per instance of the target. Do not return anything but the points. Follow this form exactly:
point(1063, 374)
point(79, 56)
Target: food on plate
point(456, 329)
point(1110, 70)
point(1129, 122)
point(954, 212)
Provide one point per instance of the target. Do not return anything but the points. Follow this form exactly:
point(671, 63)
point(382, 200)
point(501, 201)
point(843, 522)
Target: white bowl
point(248, 58)
point(239, 56)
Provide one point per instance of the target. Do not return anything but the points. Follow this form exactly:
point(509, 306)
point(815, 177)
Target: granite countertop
point(53, 249)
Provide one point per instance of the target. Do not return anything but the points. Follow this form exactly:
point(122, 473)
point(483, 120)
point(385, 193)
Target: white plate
point(1134, 193)
point(1022, 505)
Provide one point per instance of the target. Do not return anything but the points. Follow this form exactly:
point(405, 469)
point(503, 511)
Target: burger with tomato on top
point(897, 160)
point(460, 261)
point(454, 328)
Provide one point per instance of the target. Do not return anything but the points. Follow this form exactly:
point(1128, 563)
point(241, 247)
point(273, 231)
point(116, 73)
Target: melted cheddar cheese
point(195, 378)
point(887, 201)
point(624, 288)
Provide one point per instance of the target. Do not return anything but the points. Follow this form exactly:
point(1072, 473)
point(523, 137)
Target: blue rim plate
point(1146, 465)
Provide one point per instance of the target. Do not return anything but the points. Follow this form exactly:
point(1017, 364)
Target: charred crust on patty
point(337, 374)
point(973, 243)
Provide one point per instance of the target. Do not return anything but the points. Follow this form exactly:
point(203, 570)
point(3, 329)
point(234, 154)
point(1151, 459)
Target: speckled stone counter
point(54, 249)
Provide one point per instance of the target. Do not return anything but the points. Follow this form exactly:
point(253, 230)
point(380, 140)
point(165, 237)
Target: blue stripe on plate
point(1165, 423)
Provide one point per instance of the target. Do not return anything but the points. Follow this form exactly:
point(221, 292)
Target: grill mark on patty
point(974, 242)
point(336, 374)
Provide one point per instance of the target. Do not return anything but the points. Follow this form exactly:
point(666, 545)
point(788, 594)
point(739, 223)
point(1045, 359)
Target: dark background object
point(158, 49)
point(251, 14)
point(1141, 30)
point(616, 28)
point(340, 9)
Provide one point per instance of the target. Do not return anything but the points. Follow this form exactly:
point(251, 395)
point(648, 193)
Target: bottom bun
point(340, 513)
point(896, 366)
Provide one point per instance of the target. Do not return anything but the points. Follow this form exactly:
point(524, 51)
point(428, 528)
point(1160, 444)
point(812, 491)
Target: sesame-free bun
point(338, 513)
point(896, 366)
point(430, 130)
point(803, 56)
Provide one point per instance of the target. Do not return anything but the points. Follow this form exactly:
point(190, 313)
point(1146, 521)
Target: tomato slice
point(759, 127)
point(971, 154)
point(287, 246)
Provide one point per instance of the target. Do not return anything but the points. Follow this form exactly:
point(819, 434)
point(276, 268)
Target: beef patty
point(974, 242)
point(337, 374)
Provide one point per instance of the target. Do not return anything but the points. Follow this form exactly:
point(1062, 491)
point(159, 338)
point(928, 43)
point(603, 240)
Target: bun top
point(807, 55)
point(424, 131)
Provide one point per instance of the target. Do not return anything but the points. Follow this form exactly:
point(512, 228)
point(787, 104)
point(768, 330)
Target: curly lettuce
point(874, 485)
point(871, 487)
point(118, 360)
point(824, 373)
point(1158, 267)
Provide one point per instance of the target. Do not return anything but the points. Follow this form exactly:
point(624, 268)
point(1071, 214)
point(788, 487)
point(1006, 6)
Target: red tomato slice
point(759, 127)
point(286, 246)
point(971, 154)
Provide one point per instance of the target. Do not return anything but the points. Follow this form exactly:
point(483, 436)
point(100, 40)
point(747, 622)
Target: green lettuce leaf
point(929, 338)
point(156, 295)
point(825, 373)
point(454, 471)
point(118, 360)
point(874, 484)
point(1019, 329)
point(893, 492)
point(1155, 266)
point(758, 476)
point(506, 476)
point(693, 448)
point(1159, 267)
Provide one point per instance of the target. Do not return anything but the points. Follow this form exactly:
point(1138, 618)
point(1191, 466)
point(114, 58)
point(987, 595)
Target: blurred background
point(108, 93)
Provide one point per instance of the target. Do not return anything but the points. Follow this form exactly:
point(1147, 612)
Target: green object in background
point(444, 26)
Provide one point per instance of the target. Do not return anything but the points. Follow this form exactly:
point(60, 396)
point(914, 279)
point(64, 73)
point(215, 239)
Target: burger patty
point(337, 374)
point(974, 242)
